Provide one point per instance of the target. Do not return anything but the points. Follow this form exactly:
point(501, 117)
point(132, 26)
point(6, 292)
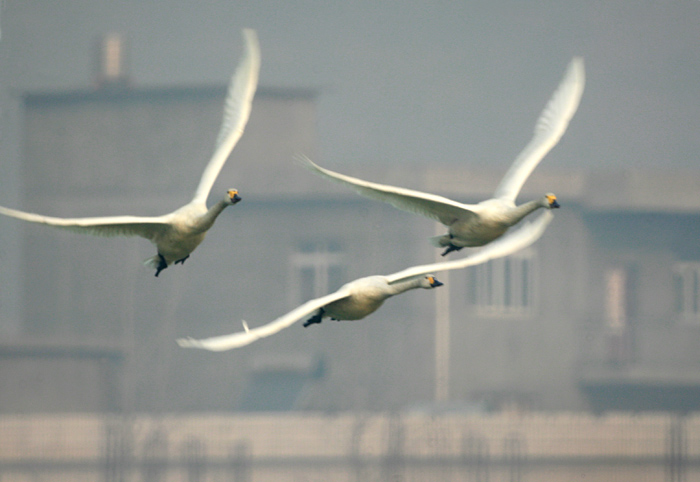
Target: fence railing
point(351, 447)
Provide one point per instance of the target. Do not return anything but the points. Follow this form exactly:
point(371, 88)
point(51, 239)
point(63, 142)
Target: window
point(318, 268)
point(619, 291)
point(686, 287)
point(503, 286)
point(616, 299)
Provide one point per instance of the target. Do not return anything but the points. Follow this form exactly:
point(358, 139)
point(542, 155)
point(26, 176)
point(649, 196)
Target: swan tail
point(153, 262)
point(438, 241)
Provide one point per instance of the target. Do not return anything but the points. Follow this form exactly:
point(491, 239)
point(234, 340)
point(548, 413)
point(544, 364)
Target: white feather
point(549, 128)
point(365, 295)
point(479, 224)
point(178, 233)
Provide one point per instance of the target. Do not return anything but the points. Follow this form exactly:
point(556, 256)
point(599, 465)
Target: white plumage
point(361, 297)
point(178, 233)
point(478, 224)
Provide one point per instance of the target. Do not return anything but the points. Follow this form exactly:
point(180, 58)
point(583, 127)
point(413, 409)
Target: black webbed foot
point(182, 261)
point(317, 318)
point(162, 265)
point(450, 248)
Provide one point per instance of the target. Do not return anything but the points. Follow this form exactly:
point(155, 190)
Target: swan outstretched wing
point(236, 113)
point(549, 128)
point(432, 206)
point(516, 240)
point(248, 336)
point(146, 227)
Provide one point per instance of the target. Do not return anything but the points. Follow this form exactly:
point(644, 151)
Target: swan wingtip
point(185, 342)
point(301, 158)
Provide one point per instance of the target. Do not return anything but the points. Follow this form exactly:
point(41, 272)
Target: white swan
point(361, 297)
point(178, 233)
point(478, 224)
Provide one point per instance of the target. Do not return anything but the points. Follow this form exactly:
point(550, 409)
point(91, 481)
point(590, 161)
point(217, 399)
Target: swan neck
point(405, 285)
point(207, 221)
point(524, 209)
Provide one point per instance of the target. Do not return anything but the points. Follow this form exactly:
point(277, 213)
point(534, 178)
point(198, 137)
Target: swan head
point(430, 282)
point(551, 201)
point(232, 196)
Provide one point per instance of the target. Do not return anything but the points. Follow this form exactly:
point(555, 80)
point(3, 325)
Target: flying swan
point(361, 297)
point(177, 234)
point(478, 224)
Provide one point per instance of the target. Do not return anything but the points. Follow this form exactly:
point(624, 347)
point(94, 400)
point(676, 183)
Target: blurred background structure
point(601, 316)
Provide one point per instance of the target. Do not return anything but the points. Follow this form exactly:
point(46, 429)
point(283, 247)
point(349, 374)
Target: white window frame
point(505, 286)
point(686, 287)
point(616, 290)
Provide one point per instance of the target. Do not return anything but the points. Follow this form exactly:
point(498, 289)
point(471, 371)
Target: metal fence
point(351, 447)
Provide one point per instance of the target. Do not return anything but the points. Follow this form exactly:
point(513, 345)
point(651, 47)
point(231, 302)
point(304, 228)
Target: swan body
point(366, 295)
point(472, 225)
point(359, 298)
point(178, 233)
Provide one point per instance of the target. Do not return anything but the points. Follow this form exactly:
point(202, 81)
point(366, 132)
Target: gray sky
point(435, 82)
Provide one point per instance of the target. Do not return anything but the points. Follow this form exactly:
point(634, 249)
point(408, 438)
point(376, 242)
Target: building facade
point(603, 313)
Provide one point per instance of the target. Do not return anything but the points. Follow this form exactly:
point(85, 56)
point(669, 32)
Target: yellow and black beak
point(233, 195)
point(552, 199)
point(434, 283)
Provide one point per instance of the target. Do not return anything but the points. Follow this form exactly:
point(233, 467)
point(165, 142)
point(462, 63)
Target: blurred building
point(603, 313)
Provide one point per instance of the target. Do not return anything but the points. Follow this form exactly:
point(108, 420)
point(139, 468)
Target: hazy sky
point(449, 82)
